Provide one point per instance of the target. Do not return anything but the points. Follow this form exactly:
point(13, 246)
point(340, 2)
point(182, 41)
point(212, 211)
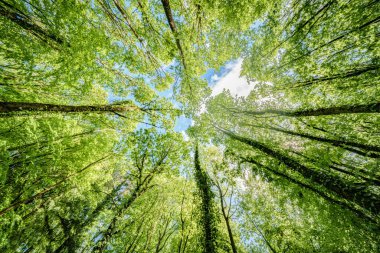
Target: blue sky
point(228, 78)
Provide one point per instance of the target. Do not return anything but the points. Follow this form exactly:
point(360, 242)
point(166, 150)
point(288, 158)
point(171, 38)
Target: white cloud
point(185, 136)
point(232, 81)
point(215, 78)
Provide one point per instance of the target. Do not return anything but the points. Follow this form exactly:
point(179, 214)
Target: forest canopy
point(115, 136)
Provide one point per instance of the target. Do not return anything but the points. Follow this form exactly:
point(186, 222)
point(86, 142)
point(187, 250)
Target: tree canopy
point(93, 94)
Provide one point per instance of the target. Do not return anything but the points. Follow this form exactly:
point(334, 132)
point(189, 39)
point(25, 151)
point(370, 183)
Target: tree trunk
point(343, 189)
point(81, 227)
point(226, 218)
point(142, 186)
point(374, 180)
point(338, 143)
point(47, 141)
point(313, 189)
point(169, 17)
point(208, 219)
point(10, 107)
point(348, 74)
point(21, 19)
point(49, 189)
point(343, 109)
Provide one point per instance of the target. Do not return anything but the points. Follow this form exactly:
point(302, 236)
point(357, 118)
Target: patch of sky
point(226, 78)
point(255, 26)
point(182, 123)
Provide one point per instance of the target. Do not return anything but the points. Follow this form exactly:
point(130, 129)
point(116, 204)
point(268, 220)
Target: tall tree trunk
point(18, 17)
point(169, 17)
point(208, 219)
point(10, 107)
point(313, 189)
point(142, 185)
point(111, 229)
point(350, 73)
point(338, 143)
point(49, 189)
point(47, 141)
point(95, 214)
point(373, 180)
point(346, 190)
point(226, 218)
point(265, 239)
point(343, 109)
point(309, 52)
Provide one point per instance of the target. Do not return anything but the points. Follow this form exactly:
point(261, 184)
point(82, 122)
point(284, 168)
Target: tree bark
point(338, 143)
point(10, 107)
point(46, 141)
point(50, 188)
point(169, 17)
point(226, 218)
point(208, 219)
point(313, 189)
point(21, 19)
point(343, 189)
point(343, 109)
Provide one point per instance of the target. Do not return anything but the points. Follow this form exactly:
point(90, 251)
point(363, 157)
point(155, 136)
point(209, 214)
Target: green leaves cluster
point(90, 92)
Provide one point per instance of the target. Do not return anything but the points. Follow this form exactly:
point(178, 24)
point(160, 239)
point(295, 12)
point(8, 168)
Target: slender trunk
point(338, 143)
point(182, 224)
point(169, 17)
point(110, 231)
point(70, 242)
point(95, 214)
point(161, 241)
point(299, 28)
point(142, 186)
point(44, 142)
point(208, 219)
point(139, 232)
point(309, 52)
point(348, 74)
point(21, 19)
point(364, 172)
point(343, 189)
point(49, 189)
point(350, 173)
point(265, 239)
point(10, 107)
point(343, 109)
point(226, 218)
point(313, 189)
point(137, 237)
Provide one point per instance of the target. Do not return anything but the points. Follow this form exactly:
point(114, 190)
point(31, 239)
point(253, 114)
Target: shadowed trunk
point(338, 143)
point(313, 189)
point(226, 217)
point(344, 109)
point(49, 189)
point(169, 17)
point(10, 107)
point(354, 193)
point(208, 221)
point(18, 17)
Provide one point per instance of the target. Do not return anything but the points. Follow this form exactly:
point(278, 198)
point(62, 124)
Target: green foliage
point(90, 92)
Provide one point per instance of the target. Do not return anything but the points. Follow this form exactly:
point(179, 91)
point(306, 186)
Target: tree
point(95, 149)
